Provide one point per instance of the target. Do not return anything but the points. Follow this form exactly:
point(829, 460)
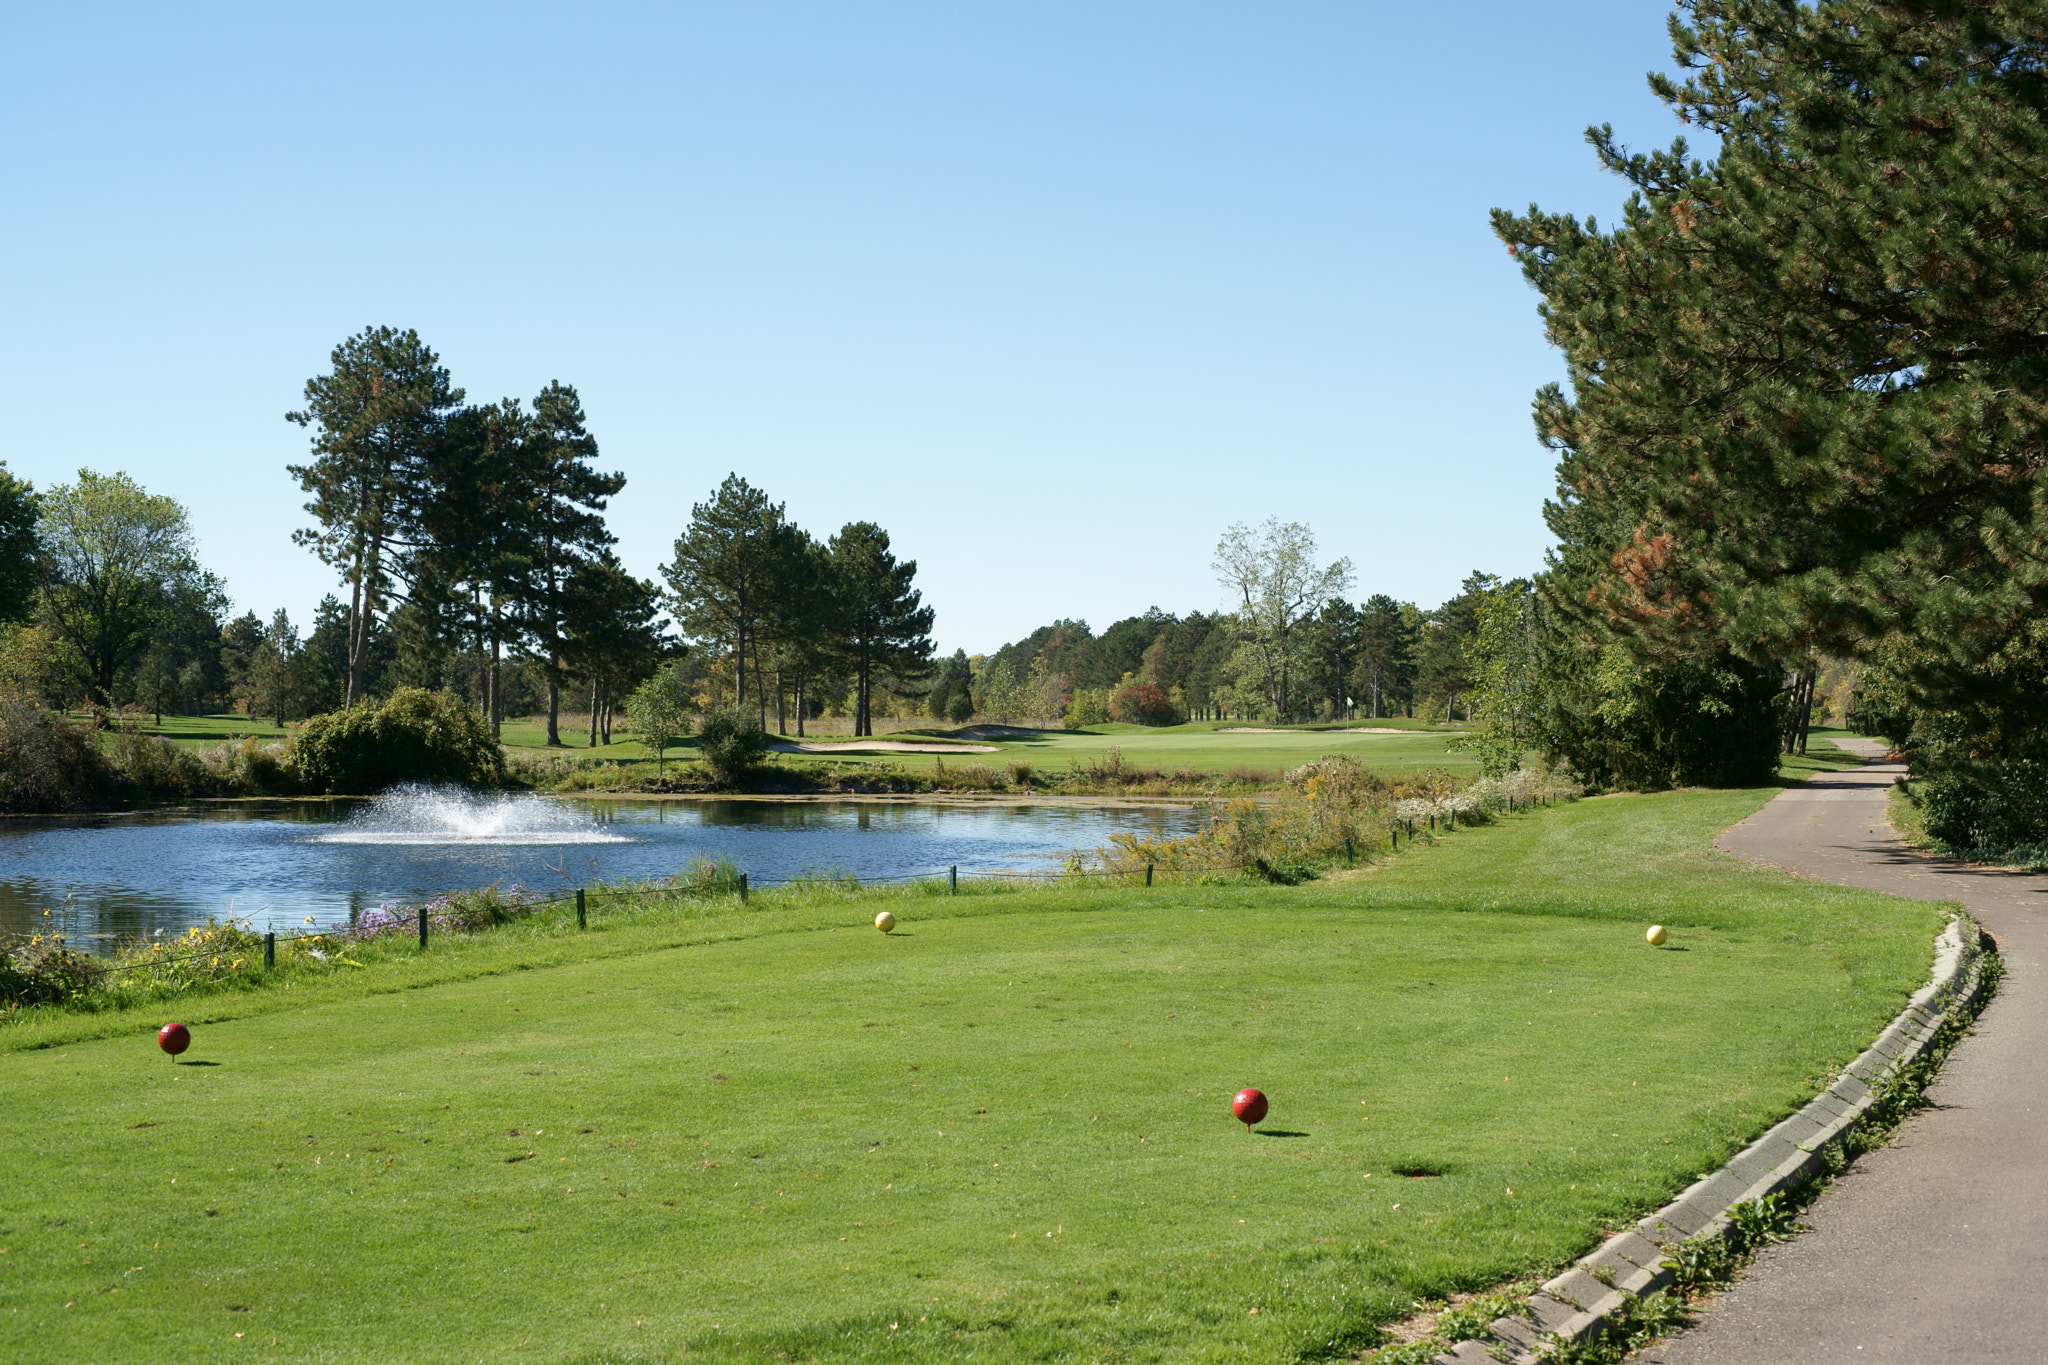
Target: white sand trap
point(894, 746)
point(1347, 730)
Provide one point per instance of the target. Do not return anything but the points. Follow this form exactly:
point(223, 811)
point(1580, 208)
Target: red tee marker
point(1249, 1107)
point(175, 1038)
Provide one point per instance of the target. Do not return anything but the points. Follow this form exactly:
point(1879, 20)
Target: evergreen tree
point(1387, 644)
point(568, 526)
point(881, 628)
point(728, 571)
point(1807, 386)
point(614, 633)
point(376, 420)
point(18, 547)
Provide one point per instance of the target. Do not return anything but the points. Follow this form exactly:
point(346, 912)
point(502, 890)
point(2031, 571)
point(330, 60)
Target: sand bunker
point(894, 746)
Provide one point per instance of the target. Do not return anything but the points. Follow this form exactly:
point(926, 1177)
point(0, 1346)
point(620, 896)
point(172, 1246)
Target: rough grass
point(1002, 1133)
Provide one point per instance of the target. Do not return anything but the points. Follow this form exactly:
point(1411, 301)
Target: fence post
point(1395, 835)
point(423, 926)
point(743, 888)
point(1347, 851)
point(953, 880)
point(1148, 874)
point(269, 951)
point(581, 923)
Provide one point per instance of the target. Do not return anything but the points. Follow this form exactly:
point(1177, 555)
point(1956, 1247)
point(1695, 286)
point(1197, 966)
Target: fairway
point(1001, 1133)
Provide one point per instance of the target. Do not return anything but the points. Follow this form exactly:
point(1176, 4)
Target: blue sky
point(1054, 291)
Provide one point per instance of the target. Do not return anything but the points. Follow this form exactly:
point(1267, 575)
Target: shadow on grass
point(1277, 1132)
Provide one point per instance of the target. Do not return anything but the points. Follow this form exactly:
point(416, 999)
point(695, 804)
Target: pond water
point(276, 863)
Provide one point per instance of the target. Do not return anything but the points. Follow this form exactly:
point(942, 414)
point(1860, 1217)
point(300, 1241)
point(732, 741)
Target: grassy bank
point(769, 1132)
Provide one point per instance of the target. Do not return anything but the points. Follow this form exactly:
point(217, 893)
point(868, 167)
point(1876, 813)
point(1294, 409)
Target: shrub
point(43, 971)
point(960, 708)
point(731, 742)
point(155, 767)
point(249, 765)
point(413, 736)
point(1142, 704)
point(1021, 773)
point(47, 763)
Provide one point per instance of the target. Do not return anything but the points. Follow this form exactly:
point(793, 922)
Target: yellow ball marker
point(1656, 936)
point(886, 922)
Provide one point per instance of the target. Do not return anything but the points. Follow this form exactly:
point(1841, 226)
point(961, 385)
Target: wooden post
point(269, 952)
point(423, 926)
point(1348, 860)
point(581, 923)
point(953, 880)
point(1148, 874)
point(743, 888)
point(1394, 833)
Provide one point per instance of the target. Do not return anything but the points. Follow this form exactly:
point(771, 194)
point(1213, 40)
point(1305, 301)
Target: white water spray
point(450, 815)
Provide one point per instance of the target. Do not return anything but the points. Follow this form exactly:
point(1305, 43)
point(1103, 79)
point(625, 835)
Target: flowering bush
point(205, 952)
point(43, 971)
point(454, 912)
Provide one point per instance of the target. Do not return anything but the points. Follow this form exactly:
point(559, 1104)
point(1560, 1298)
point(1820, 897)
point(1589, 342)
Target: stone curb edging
point(1579, 1303)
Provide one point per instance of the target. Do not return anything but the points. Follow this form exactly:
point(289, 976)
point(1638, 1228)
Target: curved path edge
point(1580, 1303)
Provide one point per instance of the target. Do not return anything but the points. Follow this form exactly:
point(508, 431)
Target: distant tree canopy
point(1295, 649)
point(777, 614)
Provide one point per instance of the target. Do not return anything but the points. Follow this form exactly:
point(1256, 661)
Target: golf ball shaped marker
point(1249, 1107)
point(1656, 936)
point(174, 1038)
point(885, 921)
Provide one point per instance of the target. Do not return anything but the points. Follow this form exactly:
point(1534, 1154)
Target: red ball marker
point(175, 1038)
point(1249, 1107)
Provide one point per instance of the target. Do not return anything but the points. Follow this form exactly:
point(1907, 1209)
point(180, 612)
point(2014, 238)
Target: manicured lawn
point(205, 730)
point(1211, 747)
point(1002, 1134)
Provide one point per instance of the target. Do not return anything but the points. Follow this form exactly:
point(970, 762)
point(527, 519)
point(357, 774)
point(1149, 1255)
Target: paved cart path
point(1934, 1248)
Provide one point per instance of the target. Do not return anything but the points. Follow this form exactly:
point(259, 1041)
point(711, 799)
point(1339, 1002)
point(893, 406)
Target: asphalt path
point(1935, 1247)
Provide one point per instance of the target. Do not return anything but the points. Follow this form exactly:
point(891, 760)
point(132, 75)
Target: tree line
point(471, 546)
point(1294, 648)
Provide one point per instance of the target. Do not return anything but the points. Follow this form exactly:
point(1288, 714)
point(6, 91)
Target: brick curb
point(1578, 1304)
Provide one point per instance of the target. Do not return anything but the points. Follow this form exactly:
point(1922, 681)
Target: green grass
point(1821, 756)
point(1212, 747)
point(205, 730)
point(772, 1133)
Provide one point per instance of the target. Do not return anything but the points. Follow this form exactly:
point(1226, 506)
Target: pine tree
point(729, 569)
point(1809, 390)
point(568, 503)
point(376, 421)
point(880, 628)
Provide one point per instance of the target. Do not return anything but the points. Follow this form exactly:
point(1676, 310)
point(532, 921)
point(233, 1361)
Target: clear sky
point(1053, 291)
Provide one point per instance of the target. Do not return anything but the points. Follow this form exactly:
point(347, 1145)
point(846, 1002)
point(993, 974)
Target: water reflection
point(279, 862)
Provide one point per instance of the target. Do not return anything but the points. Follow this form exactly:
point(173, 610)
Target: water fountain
point(416, 814)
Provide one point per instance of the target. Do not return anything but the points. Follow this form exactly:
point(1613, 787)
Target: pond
point(279, 863)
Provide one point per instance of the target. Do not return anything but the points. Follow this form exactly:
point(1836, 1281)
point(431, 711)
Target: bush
point(47, 763)
point(1986, 801)
point(249, 765)
point(731, 742)
point(960, 708)
point(1142, 704)
point(157, 768)
point(43, 971)
point(414, 736)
